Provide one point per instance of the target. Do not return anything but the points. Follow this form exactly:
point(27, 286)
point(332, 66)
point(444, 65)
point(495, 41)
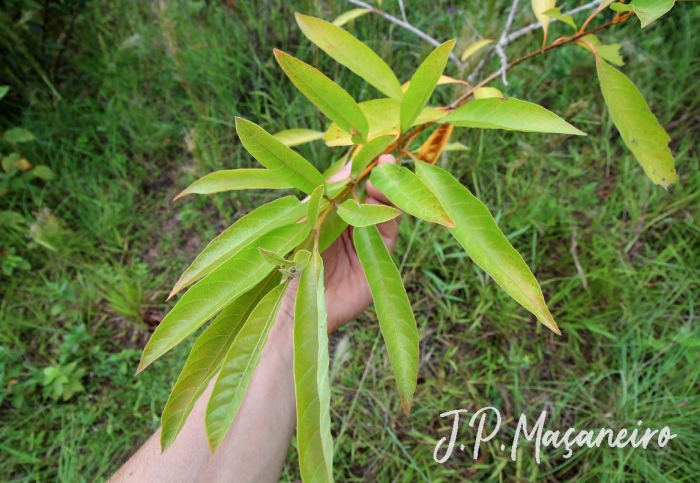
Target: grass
point(150, 94)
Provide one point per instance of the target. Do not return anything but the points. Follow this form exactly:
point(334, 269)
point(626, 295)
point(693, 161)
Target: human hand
point(347, 291)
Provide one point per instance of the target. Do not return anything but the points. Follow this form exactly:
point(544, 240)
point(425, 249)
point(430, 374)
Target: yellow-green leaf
point(262, 220)
point(539, 7)
point(610, 52)
point(423, 84)
point(18, 135)
point(233, 278)
point(409, 194)
point(277, 157)
point(295, 137)
point(314, 205)
point(370, 151)
point(485, 243)
point(647, 10)
point(356, 214)
point(383, 118)
point(347, 50)
point(334, 188)
point(333, 226)
point(475, 47)
point(325, 94)
point(206, 359)
point(396, 320)
point(487, 93)
point(239, 365)
point(442, 81)
point(639, 128)
point(350, 15)
point(311, 381)
point(556, 13)
point(235, 179)
point(510, 115)
point(455, 147)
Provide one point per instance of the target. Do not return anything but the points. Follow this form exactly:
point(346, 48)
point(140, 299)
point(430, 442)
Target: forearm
point(255, 447)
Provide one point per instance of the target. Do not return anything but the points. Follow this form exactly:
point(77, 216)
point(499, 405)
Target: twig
point(574, 255)
point(403, 11)
point(407, 26)
point(502, 40)
point(509, 38)
point(526, 30)
point(554, 45)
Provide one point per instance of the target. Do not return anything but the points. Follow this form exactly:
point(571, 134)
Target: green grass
point(150, 95)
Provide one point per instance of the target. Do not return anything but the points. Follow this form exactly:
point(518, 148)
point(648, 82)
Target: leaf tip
point(406, 404)
point(142, 366)
point(183, 193)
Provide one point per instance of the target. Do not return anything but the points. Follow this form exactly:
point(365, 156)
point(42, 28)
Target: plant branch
point(502, 41)
point(409, 136)
point(405, 25)
point(403, 11)
point(509, 38)
point(557, 43)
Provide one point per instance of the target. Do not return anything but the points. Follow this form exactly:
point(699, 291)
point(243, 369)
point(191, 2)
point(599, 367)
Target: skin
point(255, 448)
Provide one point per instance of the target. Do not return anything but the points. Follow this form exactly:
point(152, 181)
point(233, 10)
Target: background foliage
point(141, 102)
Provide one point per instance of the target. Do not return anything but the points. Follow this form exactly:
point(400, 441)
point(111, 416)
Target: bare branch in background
point(407, 26)
point(509, 38)
point(501, 41)
point(403, 11)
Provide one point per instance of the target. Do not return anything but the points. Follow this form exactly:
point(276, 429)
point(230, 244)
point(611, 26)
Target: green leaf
point(394, 312)
point(510, 115)
point(281, 212)
point(610, 52)
point(423, 84)
point(487, 92)
point(275, 260)
point(485, 243)
point(314, 205)
point(347, 50)
point(646, 10)
point(556, 13)
point(43, 172)
point(325, 94)
point(239, 365)
point(274, 155)
point(366, 214)
point(233, 278)
point(639, 128)
point(335, 167)
point(333, 226)
point(383, 118)
point(311, 382)
point(539, 7)
point(350, 15)
point(368, 152)
point(302, 258)
point(18, 135)
point(3, 91)
point(410, 194)
point(333, 189)
point(206, 359)
point(475, 47)
point(235, 179)
point(295, 137)
point(455, 147)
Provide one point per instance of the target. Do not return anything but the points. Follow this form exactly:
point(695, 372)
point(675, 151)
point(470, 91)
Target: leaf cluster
point(239, 280)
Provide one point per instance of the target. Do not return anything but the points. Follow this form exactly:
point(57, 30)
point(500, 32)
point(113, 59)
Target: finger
point(342, 174)
point(373, 192)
